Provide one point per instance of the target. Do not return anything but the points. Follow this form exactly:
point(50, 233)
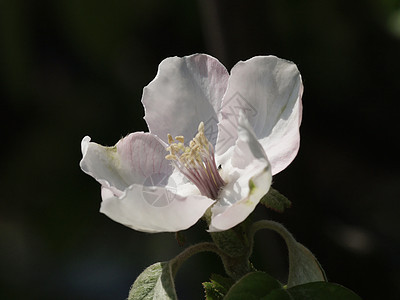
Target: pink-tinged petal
point(185, 92)
point(137, 158)
point(154, 209)
point(268, 90)
point(250, 179)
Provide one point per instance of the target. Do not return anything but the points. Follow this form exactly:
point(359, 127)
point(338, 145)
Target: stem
point(235, 266)
point(177, 261)
point(303, 266)
point(236, 247)
point(272, 225)
point(282, 231)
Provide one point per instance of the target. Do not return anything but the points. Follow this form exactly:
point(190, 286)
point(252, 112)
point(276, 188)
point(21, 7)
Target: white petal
point(185, 92)
point(134, 159)
point(154, 209)
point(268, 90)
point(250, 180)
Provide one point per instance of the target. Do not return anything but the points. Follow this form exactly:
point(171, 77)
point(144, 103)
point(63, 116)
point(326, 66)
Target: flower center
point(196, 162)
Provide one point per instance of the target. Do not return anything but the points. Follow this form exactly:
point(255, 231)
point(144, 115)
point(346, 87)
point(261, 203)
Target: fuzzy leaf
point(155, 282)
point(212, 291)
point(303, 266)
point(313, 291)
point(217, 288)
point(259, 285)
point(253, 286)
point(180, 238)
point(322, 290)
point(275, 201)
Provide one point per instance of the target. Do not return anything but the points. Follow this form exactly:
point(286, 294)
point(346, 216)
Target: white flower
point(243, 127)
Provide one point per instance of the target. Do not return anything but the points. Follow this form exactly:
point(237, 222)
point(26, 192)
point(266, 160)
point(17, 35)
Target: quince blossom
point(214, 142)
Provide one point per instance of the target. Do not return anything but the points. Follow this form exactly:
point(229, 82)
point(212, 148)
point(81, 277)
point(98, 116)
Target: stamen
point(170, 139)
point(180, 139)
point(170, 157)
point(196, 162)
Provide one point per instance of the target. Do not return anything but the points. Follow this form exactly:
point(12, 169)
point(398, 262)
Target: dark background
point(71, 68)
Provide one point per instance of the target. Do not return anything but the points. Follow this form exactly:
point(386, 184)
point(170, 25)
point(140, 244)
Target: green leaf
point(213, 291)
point(278, 294)
point(226, 282)
point(275, 201)
point(156, 282)
point(314, 291)
point(180, 238)
point(303, 266)
point(322, 290)
point(261, 286)
point(232, 241)
point(217, 288)
point(253, 286)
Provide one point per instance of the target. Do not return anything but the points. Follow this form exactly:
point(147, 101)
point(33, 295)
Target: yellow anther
point(201, 127)
point(196, 162)
point(170, 139)
point(181, 146)
point(171, 157)
point(195, 148)
point(175, 148)
point(180, 138)
point(192, 155)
